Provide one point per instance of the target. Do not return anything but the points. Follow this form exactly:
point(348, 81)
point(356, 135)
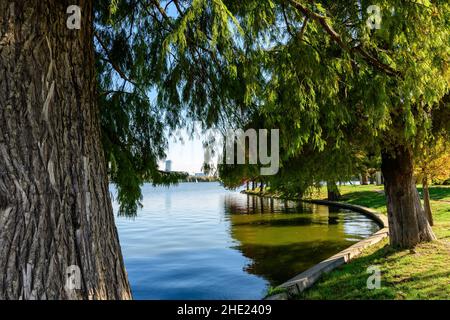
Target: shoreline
point(307, 278)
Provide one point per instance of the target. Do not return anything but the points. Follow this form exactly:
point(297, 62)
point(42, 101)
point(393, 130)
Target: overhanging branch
point(336, 37)
point(111, 61)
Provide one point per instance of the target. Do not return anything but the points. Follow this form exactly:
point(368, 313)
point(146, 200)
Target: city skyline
point(186, 155)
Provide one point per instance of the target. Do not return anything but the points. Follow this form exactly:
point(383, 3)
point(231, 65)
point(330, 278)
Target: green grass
point(422, 273)
point(370, 196)
point(274, 290)
point(440, 193)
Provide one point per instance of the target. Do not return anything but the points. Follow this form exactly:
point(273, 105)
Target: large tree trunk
point(364, 178)
point(426, 201)
point(333, 193)
point(55, 209)
point(407, 222)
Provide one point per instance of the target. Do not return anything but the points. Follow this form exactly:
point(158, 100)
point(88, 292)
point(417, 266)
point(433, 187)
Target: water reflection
point(200, 241)
point(283, 238)
point(168, 201)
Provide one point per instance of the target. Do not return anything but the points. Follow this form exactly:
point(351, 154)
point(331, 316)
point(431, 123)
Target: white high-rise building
point(168, 165)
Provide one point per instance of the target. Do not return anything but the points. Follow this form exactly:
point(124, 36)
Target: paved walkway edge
point(307, 278)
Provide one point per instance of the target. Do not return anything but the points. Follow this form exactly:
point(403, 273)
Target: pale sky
point(186, 155)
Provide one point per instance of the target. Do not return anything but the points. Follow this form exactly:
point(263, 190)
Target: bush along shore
point(419, 273)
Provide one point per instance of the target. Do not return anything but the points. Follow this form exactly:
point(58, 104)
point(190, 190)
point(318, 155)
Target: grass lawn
point(422, 273)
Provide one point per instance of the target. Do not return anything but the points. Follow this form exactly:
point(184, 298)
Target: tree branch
point(288, 25)
point(323, 21)
point(111, 62)
point(302, 31)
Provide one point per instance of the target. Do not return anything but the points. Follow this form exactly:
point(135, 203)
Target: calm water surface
point(200, 241)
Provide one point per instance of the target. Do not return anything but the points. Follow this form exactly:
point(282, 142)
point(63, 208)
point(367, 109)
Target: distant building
point(168, 166)
point(200, 174)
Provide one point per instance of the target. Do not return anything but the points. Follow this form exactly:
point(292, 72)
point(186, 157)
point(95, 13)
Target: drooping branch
point(177, 5)
point(286, 21)
point(302, 31)
point(323, 21)
point(111, 61)
point(160, 9)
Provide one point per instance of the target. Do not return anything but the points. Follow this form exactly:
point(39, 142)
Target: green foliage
point(159, 64)
point(300, 175)
point(337, 89)
point(312, 69)
point(132, 127)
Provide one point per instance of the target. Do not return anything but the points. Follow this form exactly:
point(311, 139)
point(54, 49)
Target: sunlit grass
point(422, 273)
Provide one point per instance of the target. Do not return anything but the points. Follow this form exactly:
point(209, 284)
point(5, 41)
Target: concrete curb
point(373, 214)
point(307, 278)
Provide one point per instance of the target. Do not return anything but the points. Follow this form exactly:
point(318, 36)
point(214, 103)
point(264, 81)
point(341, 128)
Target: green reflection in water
point(284, 238)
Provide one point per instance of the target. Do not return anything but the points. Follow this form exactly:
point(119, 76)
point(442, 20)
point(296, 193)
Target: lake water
point(200, 241)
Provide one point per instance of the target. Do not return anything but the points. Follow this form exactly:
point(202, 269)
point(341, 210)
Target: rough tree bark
point(333, 193)
point(426, 201)
point(55, 208)
point(407, 222)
